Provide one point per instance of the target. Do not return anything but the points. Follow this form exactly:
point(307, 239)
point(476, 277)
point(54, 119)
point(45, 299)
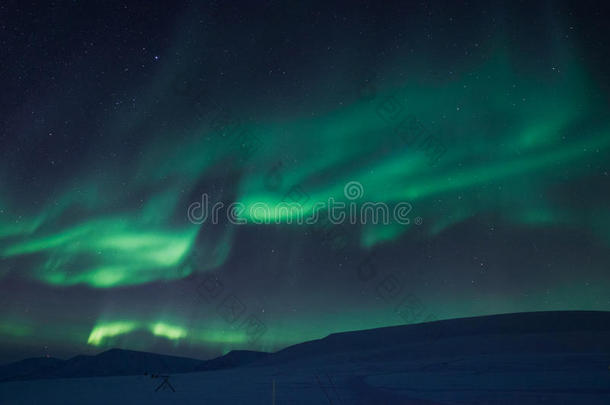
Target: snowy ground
point(545, 379)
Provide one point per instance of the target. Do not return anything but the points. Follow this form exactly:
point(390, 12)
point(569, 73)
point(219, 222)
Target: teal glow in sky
point(96, 247)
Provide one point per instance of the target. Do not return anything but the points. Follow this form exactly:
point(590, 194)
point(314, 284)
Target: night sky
point(489, 119)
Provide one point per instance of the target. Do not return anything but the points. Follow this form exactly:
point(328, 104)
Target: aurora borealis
point(116, 118)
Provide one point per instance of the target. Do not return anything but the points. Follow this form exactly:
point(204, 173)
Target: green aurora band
point(507, 138)
point(551, 131)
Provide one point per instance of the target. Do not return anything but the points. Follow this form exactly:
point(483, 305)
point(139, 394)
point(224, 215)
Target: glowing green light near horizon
point(15, 329)
point(105, 331)
point(168, 331)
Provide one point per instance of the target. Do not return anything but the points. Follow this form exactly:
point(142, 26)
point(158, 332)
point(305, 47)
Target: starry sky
point(490, 119)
